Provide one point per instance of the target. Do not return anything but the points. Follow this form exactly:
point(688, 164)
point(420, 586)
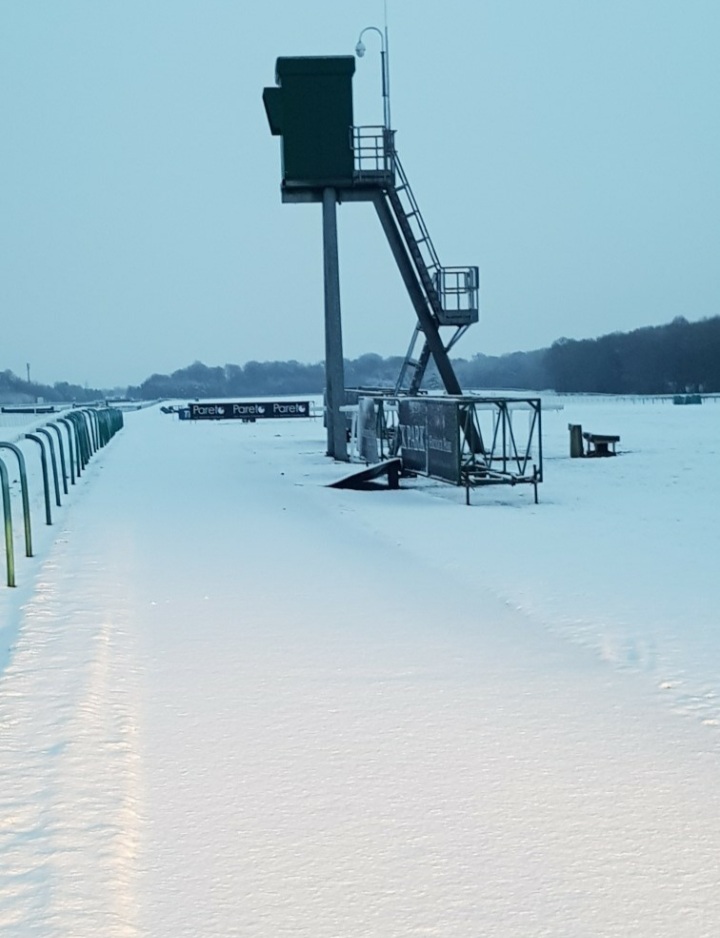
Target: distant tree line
point(14, 390)
point(674, 358)
point(677, 357)
point(254, 378)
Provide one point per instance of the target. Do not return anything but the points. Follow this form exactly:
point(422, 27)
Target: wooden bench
point(601, 444)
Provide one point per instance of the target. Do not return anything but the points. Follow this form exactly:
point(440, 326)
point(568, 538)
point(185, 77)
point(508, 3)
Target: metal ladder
point(427, 264)
point(416, 235)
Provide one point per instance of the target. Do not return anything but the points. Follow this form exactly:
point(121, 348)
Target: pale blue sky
point(570, 148)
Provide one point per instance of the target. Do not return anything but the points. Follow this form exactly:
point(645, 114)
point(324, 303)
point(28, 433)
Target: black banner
point(443, 440)
point(249, 410)
point(412, 425)
point(429, 438)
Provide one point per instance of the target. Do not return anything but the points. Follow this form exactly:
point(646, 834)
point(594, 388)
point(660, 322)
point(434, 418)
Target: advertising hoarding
point(248, 410)
point(429, 438)
point(412, 427)
point(443, 441)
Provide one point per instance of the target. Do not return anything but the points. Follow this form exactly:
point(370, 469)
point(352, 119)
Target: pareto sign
point(249, 410)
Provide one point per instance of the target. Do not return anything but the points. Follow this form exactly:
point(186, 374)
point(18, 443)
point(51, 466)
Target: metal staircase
point(442, 296)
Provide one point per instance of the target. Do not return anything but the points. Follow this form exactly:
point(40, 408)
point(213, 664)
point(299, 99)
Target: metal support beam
point(428, 325)
point(334, 368)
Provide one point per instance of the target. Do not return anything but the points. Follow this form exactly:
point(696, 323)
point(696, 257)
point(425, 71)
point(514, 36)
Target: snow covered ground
point(234, 702)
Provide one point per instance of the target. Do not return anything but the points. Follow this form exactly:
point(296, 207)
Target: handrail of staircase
point(405, 184)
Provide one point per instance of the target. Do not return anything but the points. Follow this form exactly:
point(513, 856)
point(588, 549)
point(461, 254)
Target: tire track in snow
point(69, 772)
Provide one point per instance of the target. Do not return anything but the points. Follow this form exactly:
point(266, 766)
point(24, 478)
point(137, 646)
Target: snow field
point(240, 703)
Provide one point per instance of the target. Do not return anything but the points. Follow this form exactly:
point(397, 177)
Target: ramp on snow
point(367, 477)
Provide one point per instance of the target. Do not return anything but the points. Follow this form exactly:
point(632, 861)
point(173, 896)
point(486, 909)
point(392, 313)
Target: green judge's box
point(311, 108)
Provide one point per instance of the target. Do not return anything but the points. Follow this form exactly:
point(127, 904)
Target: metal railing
point(53, 462)
point(22, 468)
point(71, 464)
point(374, 154)
point(63, 457)
point(7, 515)
point(459, 292)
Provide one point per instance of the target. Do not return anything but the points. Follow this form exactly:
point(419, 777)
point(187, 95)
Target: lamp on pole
point(384, 63)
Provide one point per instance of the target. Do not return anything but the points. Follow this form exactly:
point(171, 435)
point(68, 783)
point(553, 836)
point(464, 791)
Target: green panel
point(315, 117)
point(272, 99)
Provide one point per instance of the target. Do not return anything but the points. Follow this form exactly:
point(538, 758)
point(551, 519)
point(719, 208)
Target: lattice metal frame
point(506, 456)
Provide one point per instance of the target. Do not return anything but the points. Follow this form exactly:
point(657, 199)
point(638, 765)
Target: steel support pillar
point(334, 368)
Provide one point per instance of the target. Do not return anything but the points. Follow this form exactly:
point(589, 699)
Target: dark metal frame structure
point(506, 456)
point(504, 462)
